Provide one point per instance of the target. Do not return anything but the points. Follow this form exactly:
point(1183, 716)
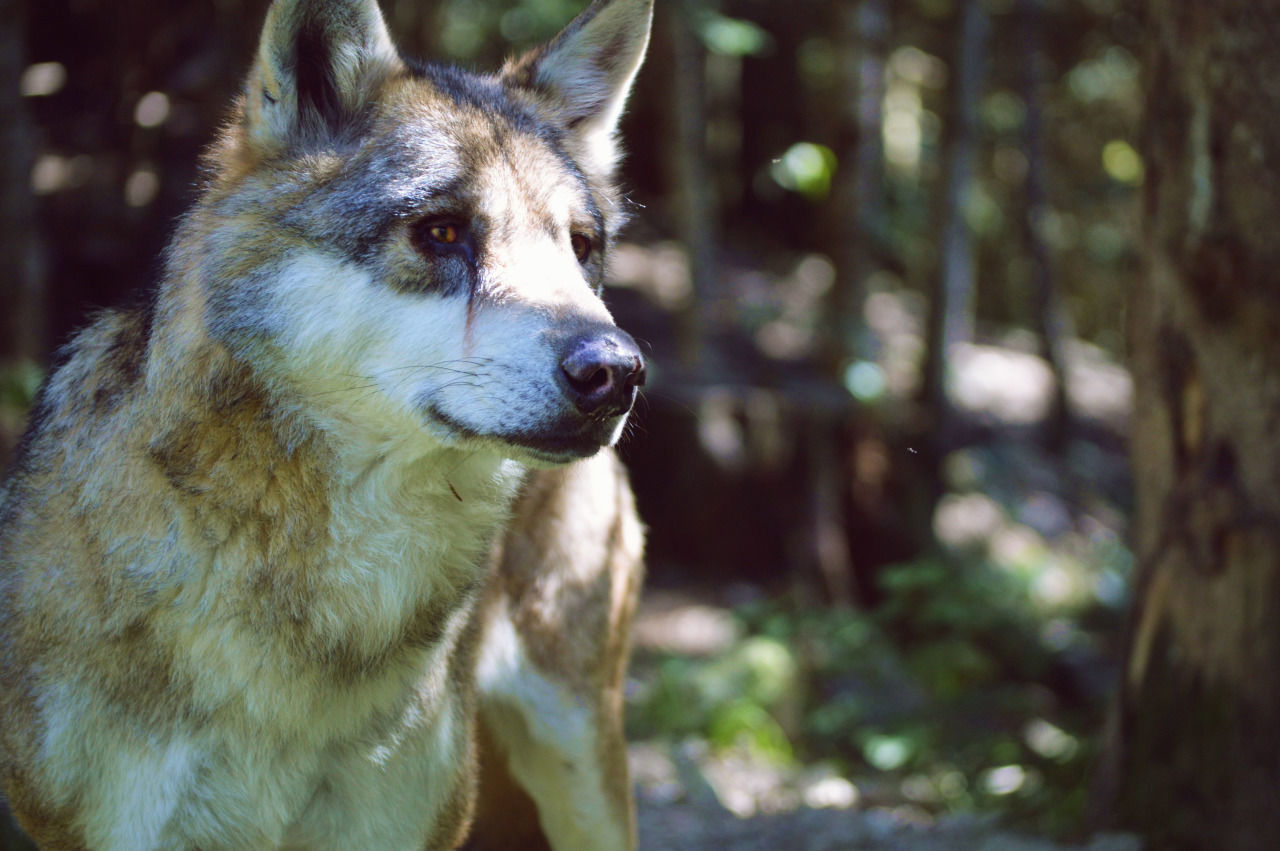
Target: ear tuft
point(583, 76)
point(315, 78)
point(317, 64)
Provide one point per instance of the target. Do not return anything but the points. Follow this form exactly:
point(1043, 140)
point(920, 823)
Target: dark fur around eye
point(437, 236)
point(583, 246)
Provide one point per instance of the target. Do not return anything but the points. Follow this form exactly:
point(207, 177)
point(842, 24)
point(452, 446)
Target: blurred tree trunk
point(863, 33)
point(1194, 757)
point(1048, 316)
point(826, 540)
point(22, 315)
point(951, 306)
point(692, 186)
point(951, 301)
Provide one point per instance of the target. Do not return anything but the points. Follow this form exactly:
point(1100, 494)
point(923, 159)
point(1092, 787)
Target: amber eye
point(445, 234)
point(581, 246)
point(442, 235)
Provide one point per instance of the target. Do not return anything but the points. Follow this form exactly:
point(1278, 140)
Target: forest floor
point(693, 825)
point(701, 824)
point(692, 796)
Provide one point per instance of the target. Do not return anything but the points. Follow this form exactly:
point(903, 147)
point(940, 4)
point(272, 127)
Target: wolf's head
point(414, 248)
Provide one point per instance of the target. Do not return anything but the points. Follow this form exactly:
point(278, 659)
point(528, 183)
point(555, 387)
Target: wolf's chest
point(343, 564)
point(233, 787)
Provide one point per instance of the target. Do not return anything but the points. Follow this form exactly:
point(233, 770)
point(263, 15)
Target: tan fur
point(271, 544)
point(574, 625)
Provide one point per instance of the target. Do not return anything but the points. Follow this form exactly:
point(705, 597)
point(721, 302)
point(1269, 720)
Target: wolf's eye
point(437, 235)
point(444, 234)
point(582, 246)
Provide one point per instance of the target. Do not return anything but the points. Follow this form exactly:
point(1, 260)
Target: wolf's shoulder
point(93, 375)
point(103, 360)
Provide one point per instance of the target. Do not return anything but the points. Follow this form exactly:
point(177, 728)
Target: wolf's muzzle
point(600, 371)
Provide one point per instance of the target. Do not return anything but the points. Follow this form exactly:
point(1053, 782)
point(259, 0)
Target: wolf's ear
point(318, 62)
point(584, 74)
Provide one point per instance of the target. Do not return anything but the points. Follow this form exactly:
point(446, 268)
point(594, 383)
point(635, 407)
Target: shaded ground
point(691, 825)
point(693, 795)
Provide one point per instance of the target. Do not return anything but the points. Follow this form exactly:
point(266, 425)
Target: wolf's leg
point(552, 665)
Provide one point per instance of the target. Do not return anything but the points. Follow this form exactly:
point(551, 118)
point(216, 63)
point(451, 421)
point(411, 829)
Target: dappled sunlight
point(152, 110)
point(742, 785)
point(672, 623)
point(792, 333)
point(967, 521)
point(1012, 386)
point(907, 126)
point(42, 79)
point(660, 272)
point(1000, 380)
point(52, 173)
point(141, 187)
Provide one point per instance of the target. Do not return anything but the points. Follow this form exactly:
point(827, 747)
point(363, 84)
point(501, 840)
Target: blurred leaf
point(888, 753)
point(19, 383)
point(948, 667)
point(865, 381)
point(1112, 75)
point(834, 718)
point(981, 212)
point(746, 722)
point(805, 168)
point(769, 668)
point(733, 36)
point(1003, 112)
point(1005, 779)
point(1122, 163)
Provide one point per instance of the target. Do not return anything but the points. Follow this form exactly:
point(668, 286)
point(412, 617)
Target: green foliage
point(942, 688)
point(807, 169)
point(729, 700)
point(948, 601)
point(745, 721)
point(865, 381)
point(467, 28)
point(18, 385)
point(732, 36)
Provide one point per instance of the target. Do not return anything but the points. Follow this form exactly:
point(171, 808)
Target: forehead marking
point(488, 102)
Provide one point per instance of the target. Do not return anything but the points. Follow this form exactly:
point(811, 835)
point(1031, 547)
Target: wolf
point(328, 523)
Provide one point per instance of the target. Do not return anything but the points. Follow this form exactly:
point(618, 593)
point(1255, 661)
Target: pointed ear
point(318, 63)
point(584, 74)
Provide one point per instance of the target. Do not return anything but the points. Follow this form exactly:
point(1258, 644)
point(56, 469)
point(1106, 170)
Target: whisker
point(350, 389)
point(666, 397)
point(460, 383)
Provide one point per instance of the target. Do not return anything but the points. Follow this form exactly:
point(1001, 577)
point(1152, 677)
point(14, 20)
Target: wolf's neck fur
point(344, 549)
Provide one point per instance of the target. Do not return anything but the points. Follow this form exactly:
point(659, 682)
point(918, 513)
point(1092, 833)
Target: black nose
point(601, 371)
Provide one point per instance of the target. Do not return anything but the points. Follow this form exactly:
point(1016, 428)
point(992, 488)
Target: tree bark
point(1194, 760)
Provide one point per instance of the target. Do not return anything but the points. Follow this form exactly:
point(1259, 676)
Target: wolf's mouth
point(568, 439)
point(564, 447)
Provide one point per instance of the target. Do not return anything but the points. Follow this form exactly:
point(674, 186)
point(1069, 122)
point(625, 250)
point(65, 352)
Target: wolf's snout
point(602, 371)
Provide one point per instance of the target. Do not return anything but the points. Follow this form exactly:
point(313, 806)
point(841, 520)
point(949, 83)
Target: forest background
point(886, 260)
